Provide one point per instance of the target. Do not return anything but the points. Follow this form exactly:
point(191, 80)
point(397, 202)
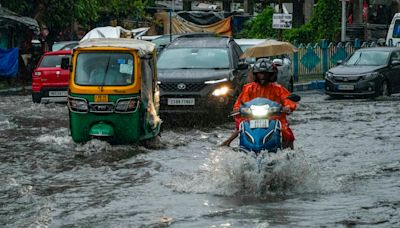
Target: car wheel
point(36, 98)
point(385, 90)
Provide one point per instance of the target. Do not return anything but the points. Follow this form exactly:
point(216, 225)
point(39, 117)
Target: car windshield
point(194, 58)
point(64, 46)
point(52, 61)
point(104, 69)
point(374, 58)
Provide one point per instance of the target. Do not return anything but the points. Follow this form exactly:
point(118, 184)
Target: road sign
point(282, 21)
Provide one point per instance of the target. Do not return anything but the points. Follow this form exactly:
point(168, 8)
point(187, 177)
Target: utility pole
point(170, 20)
point(280, 11)
point(343, 34)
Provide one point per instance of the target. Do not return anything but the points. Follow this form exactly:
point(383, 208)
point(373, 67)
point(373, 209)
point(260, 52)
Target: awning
point(10, 19)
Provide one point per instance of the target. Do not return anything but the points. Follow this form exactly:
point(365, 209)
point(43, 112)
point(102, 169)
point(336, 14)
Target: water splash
point(6, 125)
point(228, 172)
point(59, 137)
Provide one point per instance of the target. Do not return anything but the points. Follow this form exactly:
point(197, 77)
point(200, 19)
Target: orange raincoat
point(272, 91)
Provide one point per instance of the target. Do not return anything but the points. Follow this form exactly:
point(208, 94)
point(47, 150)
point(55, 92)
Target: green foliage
point(324, 24)
point(304, 34)
point(61, 14)
point(260, 26)
point(325, 19)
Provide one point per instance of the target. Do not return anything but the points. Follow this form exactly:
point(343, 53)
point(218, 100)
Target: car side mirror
point(294, 97)
point(395, 63)
point(339, 62)
point(242, 65)
point(65, 63)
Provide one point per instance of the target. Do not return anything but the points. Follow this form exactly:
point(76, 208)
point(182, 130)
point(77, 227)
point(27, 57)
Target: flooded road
point(344, 171)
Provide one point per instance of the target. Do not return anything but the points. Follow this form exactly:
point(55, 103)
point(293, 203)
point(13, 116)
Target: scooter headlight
point(77, 105)
point(259, 110)
point(222, 91)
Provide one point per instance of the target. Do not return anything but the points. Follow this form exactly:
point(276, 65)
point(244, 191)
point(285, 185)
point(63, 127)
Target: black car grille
point(346, 78)
point(179, 86)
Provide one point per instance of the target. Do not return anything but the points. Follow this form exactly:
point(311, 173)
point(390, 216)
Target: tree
point(325, 20)
point(58, 15)
point(324, 24)
point(260, 26)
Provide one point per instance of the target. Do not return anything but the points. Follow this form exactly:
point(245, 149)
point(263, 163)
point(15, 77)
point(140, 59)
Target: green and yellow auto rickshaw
point(113, 92)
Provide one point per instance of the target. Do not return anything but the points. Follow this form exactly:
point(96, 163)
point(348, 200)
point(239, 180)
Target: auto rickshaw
point(113, 92)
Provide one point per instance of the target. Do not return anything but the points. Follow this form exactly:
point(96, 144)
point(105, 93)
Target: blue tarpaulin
point(8, 62)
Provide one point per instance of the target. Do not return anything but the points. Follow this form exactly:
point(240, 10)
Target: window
point(52, 60)
point(396, 29)
point(105, 69)
point(194, 58)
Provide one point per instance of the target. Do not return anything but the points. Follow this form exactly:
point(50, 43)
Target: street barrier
point(313, 60)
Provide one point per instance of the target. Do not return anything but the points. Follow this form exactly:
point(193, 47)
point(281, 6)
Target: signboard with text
point(282, 21)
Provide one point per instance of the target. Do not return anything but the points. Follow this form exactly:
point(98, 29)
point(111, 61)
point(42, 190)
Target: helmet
point(264, 71)
point(264, 65)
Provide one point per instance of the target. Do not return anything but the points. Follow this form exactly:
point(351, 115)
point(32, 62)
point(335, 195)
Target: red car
point(49, 81)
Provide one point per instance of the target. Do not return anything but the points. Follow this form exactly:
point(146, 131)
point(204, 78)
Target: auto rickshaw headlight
point(77, 104)
point(127, 105)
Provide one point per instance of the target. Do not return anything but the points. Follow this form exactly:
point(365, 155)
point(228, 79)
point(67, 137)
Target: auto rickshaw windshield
point(104, 69)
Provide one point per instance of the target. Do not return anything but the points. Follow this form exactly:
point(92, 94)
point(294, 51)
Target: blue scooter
point(260, 132)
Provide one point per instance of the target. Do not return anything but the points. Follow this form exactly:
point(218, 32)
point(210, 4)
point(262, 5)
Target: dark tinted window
point(194, 58)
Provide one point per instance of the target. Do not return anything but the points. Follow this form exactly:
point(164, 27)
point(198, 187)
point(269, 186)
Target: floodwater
point(344, 171)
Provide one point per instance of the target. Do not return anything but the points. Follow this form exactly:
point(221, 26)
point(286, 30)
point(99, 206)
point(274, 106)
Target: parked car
point(64, 45)
point(367, 72)
point(283, 63)
point(49, 81)
point(200, 73)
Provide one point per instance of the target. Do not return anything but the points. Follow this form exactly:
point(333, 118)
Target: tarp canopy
point(108, 32)
point(180, 25)
point(8, 62)
point(10, 19)
point(203, 18)
point(143, 47)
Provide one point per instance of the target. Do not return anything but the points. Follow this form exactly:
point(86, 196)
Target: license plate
point(100, 98)
point(345, 87)
point(181, 101)
point(263, 123)
point(58, 93)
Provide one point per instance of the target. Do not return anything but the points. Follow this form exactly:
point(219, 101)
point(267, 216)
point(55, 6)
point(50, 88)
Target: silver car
point(283, 62)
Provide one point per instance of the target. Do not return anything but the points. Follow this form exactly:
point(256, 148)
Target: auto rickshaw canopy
point(143, 47)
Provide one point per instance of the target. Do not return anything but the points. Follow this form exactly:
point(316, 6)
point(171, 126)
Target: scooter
point(260, 131)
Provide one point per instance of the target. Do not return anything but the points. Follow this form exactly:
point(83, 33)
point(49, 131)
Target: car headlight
point(259, 110)
point(328, 75)
point(370, 76)
point(221, 91)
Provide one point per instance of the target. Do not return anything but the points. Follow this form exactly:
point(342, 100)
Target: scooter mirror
point(294, 97)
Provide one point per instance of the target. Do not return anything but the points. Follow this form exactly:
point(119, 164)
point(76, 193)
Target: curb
point(313, 85)
point(16, 90)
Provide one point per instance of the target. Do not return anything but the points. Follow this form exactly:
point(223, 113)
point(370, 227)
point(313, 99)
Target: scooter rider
point(265, 75)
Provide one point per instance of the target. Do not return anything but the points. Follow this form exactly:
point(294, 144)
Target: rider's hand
point(286, 109)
